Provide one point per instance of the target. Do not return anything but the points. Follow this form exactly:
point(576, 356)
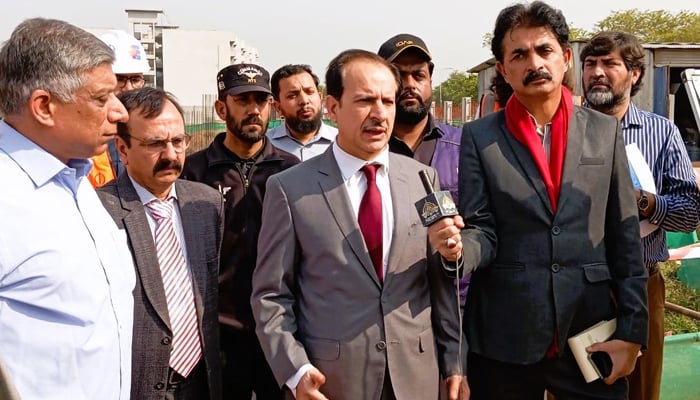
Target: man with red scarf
point(551, 227)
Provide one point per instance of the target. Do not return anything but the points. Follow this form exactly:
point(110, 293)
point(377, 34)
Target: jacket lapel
point(336, 196)
point(143, 247)
point(574, 149)
point(196, 255)
point(527, 163)
point(399, 183)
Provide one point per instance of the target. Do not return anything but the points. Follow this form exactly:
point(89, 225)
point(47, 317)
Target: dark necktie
point(370, 219)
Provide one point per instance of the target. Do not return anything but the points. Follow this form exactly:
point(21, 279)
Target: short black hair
point(148, 102)
point(533, 15)
point(287, 71)
point(336, 70)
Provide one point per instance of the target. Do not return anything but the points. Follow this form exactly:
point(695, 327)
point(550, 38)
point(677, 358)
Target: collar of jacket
point(217, 154)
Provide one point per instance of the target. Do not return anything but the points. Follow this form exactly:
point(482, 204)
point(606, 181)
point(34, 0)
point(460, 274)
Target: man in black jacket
point(238, 163)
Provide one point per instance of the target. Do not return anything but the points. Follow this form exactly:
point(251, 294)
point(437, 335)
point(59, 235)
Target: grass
point(679, 293)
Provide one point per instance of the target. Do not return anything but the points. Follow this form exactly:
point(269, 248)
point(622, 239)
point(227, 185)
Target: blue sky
point(314, 31)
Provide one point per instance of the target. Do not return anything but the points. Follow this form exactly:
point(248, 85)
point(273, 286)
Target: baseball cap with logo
point(241, 78)
point(400, 43)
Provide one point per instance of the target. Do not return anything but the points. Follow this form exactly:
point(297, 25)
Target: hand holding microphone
point(439, 213)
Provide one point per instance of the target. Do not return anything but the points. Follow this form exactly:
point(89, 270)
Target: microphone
point(435, 205)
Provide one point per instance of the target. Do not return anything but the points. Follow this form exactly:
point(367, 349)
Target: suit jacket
point(201, 209)
point(549, 272)
point(317, 299)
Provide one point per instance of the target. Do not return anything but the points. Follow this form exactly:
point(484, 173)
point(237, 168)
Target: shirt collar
point(349, 164)
point(40, 165)
point(145, 196)
point(633, 117)
point(324, 132)
point(432, 129)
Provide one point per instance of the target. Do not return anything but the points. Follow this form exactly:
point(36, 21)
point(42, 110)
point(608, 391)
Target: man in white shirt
point(349, 301)
point(298, 101)
point(66, 276)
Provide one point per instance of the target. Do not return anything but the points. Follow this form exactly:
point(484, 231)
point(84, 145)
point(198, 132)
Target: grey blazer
point(541, 272)
point(317, 299)
point(201, 208)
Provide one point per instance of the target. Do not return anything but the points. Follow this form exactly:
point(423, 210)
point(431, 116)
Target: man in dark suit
point(174, 229)
point(552, 226)
point(349, 301)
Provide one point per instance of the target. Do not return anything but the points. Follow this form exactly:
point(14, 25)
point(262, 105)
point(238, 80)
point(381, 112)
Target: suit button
point(556, 230)
point(159, 386)
point(555, 267)
point(165, 341)
point(381, 345)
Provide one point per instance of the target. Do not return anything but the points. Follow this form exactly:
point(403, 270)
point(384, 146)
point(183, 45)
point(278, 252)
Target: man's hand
point(623, 355)
point(444, 236)
point(457, 387)
point(308, 386)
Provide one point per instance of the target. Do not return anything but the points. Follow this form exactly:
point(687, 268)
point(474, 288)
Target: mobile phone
point(602, 363)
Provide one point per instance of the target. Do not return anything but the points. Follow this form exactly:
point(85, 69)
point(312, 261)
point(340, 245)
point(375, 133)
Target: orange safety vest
point(102, 171)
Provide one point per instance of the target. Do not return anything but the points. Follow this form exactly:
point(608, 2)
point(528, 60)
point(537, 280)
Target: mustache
point(252, 120)
point(535, 75)
point(374, 124)
point(167, 164)
point(600, 81)
point(412, 93)
point(305, 109)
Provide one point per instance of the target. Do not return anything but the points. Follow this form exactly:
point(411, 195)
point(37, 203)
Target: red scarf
point(522, 127)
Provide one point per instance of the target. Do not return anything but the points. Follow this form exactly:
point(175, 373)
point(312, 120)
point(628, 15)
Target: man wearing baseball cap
point(238, 163)
point(416, 132)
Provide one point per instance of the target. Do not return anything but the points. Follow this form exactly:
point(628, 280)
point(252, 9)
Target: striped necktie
point(179, 292)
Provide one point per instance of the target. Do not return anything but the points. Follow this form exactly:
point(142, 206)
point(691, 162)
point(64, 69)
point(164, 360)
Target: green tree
point(654, 25)
point(458, 85)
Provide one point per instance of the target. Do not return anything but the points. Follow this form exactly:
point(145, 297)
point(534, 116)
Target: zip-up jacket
point(243, 195)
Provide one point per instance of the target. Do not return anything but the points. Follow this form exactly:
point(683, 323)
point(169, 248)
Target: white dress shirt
point(66, 279)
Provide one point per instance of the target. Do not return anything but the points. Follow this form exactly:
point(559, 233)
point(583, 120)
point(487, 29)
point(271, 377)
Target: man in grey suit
point(552, 226)
point(174, 228)
point(349, 300)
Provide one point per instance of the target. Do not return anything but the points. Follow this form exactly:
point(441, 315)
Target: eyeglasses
point(136, 81)
point(180, 143)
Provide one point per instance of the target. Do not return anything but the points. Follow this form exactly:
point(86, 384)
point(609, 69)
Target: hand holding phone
point(601, 362)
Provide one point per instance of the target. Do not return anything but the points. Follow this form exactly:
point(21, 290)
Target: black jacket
point(243, 197)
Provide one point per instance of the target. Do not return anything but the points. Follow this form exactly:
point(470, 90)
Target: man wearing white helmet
point(129, 66)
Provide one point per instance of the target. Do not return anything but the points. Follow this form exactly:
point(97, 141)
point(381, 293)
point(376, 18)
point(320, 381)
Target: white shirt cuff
point(294, 380)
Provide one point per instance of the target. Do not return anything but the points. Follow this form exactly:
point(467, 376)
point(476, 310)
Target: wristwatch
point(643, 202)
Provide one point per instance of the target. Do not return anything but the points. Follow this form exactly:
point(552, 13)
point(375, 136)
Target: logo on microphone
point(429, 210)
point(448, 205)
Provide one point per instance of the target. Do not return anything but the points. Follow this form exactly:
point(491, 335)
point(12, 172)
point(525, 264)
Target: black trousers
point(494, 380)
point(245, 369)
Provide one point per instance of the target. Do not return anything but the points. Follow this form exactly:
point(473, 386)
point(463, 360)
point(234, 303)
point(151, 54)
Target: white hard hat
point(130, 55)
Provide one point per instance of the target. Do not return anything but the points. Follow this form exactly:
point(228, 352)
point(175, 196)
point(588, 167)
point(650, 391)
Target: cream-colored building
point(184, 62)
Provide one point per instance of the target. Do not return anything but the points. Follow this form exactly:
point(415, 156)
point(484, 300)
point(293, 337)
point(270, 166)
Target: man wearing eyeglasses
point(174, 229)
point(238, 163)
point(129, 66)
